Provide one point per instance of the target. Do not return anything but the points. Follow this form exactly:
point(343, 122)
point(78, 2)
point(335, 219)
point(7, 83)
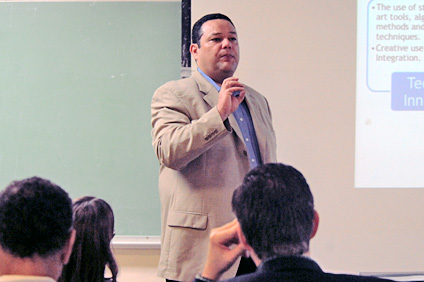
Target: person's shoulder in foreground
point(36, 234)
point(25, 278)
point(296, 269)
point(275, 221)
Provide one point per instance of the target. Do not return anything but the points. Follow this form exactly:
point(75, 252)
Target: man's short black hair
point(275, 209)
point(35, 218)
point(197, 33)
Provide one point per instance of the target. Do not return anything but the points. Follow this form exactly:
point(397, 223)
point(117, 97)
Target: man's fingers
point(228, 225)
point(240, 250)
point(226, 235)
point(232, 82)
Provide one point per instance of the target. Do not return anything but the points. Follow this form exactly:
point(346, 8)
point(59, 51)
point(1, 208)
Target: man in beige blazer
point(204, 152)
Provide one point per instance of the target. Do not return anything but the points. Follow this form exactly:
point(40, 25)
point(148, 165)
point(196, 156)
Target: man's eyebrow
point(219, 33)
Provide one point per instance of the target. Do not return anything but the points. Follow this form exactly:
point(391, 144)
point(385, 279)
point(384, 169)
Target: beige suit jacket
point(202, 161)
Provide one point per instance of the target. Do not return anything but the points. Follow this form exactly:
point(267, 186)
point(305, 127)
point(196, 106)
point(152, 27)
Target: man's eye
point(233, 39)
point(216, 39)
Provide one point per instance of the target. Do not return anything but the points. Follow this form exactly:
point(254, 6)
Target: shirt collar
point(218, 88)
point(288, 262)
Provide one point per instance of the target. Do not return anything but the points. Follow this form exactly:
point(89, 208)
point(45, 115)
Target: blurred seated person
point(36, 234)
point(275, 219)
point(94, 225)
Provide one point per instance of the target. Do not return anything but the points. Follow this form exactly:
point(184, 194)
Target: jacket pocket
point(187, 220)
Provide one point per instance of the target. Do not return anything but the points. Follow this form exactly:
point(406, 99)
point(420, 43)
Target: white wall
point(301, 56)
point(137, 265)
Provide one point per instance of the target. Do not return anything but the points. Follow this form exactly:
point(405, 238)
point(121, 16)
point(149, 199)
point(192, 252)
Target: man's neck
point(258, 261)
point(33, 266)
point(218, 79)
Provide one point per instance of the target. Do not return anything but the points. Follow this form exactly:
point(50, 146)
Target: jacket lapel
point(235, 127)
point(260, 134)
point(210, 94)
point(211, 97)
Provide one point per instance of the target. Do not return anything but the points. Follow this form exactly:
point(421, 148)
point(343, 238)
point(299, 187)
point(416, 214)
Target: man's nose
point(226, 43)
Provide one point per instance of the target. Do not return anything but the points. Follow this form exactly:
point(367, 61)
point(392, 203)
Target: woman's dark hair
point(94, 225)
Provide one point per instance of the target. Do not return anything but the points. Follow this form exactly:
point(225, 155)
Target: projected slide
point(389, 149)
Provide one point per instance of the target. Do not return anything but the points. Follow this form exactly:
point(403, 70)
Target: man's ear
point(315, 224)
point(193, 50)
point(67, 250)
point(242, 239)
point(250, 252)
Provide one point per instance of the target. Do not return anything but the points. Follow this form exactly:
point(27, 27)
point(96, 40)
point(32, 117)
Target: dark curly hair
point(35, 218)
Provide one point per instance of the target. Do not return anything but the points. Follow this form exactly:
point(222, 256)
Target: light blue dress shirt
point(244, 120)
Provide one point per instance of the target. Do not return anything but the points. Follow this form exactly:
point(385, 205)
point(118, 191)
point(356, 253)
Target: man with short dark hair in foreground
point(36, 234)
point(275, 220)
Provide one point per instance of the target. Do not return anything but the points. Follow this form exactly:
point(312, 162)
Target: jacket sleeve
point(182, 127)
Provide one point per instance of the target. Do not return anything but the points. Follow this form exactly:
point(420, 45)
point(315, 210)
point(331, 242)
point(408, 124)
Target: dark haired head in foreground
point(280, 191)
point(94, 225)
point(275, 221)
point(36, 234)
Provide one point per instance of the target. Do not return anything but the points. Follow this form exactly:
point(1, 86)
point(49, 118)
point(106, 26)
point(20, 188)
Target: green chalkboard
point(76, 81)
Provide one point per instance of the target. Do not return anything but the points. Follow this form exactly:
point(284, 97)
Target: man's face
point(218, 54)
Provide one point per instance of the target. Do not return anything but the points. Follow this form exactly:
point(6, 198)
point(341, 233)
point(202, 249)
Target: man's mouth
point(227, 56)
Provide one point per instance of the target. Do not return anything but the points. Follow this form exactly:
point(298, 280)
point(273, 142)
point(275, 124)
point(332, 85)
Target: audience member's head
point(275, 209)
point(275, 221)
point(94, 225)
point(36, 234)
